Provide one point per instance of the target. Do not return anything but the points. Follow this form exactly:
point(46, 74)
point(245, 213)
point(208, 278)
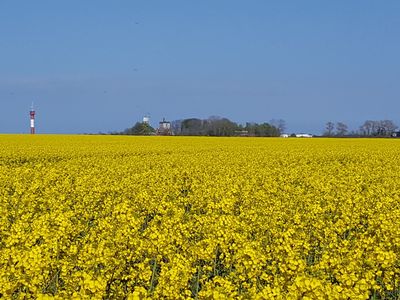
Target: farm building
point(164, 128)
point(396, 134)
point(304, 135)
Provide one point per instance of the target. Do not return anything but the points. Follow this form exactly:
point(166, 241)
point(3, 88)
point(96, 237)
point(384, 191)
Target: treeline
point(212, 126)
point(216, 126)
point(140, 128)
point(382, 128)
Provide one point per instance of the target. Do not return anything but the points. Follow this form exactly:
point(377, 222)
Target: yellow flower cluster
point(111, 217)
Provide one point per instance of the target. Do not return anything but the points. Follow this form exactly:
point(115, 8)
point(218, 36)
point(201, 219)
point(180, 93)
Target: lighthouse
point(32, 114)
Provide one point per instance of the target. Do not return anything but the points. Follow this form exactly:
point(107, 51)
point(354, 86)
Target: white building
point(164, 128)
point(304, 135)
point(146, 120)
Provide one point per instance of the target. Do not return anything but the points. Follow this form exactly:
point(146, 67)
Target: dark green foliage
point(217, 126)
point(139, 128)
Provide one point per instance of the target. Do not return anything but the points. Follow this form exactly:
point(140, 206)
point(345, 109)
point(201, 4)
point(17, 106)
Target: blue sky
point(93, 66)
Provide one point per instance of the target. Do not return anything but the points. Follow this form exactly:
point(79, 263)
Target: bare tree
point(388, 127)
point(329, 128)
point(176, 126)
point(341, 129)
point(378, 128)
point(279, 124)
point(366, 128)
point(375, 125)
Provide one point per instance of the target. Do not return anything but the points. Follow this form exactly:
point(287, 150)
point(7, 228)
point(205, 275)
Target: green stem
point(153, 275)
point(197, 282)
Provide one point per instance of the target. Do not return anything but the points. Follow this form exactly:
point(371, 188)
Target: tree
point(176, 127)
point(279, 124)
point(388, 127)
point(217, 126)
point(192, 126)
point(378, 128)
point(264, 129)
point(140, 128)
point(366, 128)
point(329, 128)
point(341, 129)
point(213, 126)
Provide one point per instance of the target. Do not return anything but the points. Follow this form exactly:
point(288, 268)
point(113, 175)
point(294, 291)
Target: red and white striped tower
point(32, 113)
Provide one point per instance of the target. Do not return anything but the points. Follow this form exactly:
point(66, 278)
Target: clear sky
point(93, 66)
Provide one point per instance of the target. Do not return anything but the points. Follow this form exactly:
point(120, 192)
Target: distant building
point(304, 135)
point(164, 128)
point(284, 135)
point(396, 134)
point(241, 133)
point(146, 120)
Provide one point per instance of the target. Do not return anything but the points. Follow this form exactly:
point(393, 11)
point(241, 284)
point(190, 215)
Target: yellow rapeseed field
point(112, 217)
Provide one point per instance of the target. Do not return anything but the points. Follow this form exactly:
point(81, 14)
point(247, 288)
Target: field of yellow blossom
point(112, 217)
